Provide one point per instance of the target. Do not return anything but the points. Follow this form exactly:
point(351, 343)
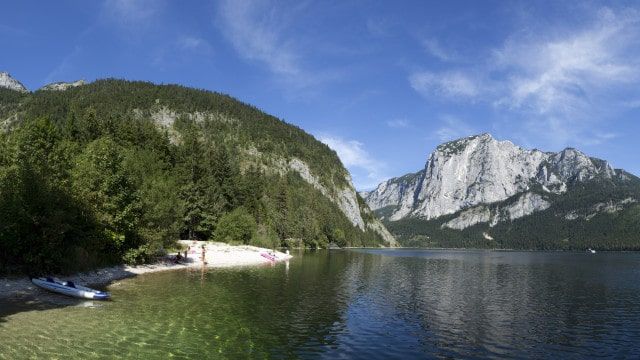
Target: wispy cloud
point(398, 123)
point(64, 68)
point(562, 75)
point(563, 87)
point(181, 50)
point(453, 128)
point(132, 14)
point(12, 31)
point(379, 27)
point(194, 43)
point(255, 32)
point(258, 31)
point(432, 47)
point(366, 171)
point(449, 84)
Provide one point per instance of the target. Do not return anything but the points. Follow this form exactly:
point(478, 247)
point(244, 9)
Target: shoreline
point(217, 255)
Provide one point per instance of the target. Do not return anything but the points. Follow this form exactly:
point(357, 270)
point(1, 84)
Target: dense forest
point(89, 177)
point(551, 229)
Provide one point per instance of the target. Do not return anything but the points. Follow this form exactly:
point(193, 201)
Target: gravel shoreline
point(217, 255)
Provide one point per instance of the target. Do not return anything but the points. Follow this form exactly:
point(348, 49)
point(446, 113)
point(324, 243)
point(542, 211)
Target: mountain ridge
point(479, 181)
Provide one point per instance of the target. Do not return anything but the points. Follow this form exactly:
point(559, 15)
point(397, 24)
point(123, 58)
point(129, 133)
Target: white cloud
point(365, 170)
point(182, 50)
point(563, 75)
point(453, 128)
point(398, 123)
point(257, 29)
point(254, 30)
point(433, 48)
point(562, 86)
point(450, 84)
point(194, 43)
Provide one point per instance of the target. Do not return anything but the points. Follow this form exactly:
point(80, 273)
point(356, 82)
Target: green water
point(231, 313)
point(366, 304)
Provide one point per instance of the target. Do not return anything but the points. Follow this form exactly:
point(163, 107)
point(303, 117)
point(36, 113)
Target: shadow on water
point(36, 301)
point(33, 298)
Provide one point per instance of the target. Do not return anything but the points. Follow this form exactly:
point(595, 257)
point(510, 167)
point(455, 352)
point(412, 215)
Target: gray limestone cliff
point(62, 86)
point(6, 81)
point(469, 173)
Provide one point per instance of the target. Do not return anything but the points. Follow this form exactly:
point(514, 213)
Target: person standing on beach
point(204, 255)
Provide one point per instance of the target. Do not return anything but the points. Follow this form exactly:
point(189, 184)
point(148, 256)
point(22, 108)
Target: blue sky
point(381, 82)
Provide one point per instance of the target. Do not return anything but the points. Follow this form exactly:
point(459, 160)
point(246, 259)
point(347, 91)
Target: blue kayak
point(70, 289)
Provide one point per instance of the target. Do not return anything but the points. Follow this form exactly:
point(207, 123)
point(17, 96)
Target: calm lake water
point(352, 304)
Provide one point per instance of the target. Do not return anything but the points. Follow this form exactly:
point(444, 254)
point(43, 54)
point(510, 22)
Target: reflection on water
point(355, 304)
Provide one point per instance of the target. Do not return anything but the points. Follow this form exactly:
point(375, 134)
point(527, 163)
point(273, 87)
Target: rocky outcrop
point(525, 204)
point(394, 192)
point(62, 86)
point(345, 198)
point(480, 170)
point(6, 81)
point(377, 227)
point(470, 217)
point(609, 207)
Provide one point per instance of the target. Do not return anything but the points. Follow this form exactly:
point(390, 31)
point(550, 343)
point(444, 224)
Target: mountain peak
point(458, 146)
point(482, 170)
point(483, 136)
point(7, 81)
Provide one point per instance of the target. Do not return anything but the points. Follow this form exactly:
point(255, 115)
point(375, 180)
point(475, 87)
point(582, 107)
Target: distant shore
point(217, 255)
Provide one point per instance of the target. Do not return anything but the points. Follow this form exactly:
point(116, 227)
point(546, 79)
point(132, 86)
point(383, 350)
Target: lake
point(351, 304)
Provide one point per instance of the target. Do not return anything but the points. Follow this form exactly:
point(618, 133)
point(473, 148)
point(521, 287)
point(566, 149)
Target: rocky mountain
point(489, 184)
point(6, 81)
point(61, 86)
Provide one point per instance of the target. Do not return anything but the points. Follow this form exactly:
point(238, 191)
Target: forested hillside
point(118, 170)
point(603, 215)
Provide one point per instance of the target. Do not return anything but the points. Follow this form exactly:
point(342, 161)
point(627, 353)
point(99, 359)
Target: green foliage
point(237, 226)
point(100, 180)
point(42, 223)
point(265, 237)
point(88, 177)
point(143, 254)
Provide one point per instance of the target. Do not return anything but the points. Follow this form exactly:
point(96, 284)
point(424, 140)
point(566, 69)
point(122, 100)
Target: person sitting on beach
point(178, 258)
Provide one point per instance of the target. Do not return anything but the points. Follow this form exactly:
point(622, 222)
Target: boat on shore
point(70, 289)
point(269, 256)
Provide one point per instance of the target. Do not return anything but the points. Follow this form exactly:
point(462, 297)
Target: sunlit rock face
point(6, 81)
point(477, 170)
point(62, 86)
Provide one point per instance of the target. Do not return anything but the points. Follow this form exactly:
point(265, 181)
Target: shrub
point(142, 255)
point(236, 226)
